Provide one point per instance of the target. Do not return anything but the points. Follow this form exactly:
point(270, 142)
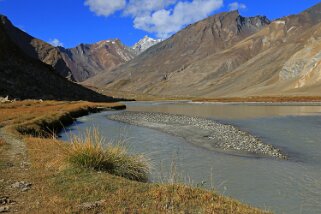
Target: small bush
point(88, 152)
point(1, 142)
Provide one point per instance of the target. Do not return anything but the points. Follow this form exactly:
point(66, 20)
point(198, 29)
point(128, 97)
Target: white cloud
point(162, 17)
point(105, 7)
point(55, 42)
point(137, 8)
point(166, 22)
point(236, 6)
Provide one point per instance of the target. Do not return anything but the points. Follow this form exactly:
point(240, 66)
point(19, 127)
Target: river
point(282, 186)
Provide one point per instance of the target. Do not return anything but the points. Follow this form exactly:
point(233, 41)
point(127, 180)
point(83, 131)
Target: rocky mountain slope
point(87, 60)
point(36, 48)
point(23, 77)
point(151, 71)
point(144, 44)
point(229, 55)
point(76, 64)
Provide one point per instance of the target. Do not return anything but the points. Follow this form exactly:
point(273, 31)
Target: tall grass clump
point(91, 151)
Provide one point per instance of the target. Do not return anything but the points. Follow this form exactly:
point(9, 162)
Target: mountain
point(228, 55)
point(24, 77)
point(76, 64)
point(144, 44)
point(168, 67)
point(87, 60)
point(36, 48)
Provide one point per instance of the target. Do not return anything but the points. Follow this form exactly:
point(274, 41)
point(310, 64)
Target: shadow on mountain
point(23, 77)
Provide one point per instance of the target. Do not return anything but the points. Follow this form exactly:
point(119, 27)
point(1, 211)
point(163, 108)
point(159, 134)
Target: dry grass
point(88, 152)
point(63, 188)
point(44, 118)
point(59, 187)
point(150, 97)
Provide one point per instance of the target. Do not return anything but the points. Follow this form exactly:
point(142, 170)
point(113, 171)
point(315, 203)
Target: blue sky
point(71, 22)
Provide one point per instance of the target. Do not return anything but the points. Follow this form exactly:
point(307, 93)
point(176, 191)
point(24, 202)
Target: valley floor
point(255, 99)
point(34, 177)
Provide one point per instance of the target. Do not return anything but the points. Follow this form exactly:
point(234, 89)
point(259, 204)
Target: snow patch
point(144, 44)
point(280, 22)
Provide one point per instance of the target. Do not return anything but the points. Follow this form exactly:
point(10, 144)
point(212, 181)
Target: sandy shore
point(202, 132)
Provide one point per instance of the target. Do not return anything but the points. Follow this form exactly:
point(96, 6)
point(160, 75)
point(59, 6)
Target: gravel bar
point(202, 132)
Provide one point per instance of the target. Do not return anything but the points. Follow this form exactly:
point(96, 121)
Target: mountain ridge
point(87, 60)
point(193, 43)
point(36, 48)
point(24, 77)
point(78, 63)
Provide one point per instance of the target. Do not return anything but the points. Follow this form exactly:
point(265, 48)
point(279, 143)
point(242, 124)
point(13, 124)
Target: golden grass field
point(61, 187)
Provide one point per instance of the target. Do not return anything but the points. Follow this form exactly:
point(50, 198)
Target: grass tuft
point(88, 152)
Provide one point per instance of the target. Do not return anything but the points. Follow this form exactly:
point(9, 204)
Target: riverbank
point(248, 99)
point(263, 99)
point(202, 132)
point(35, 177)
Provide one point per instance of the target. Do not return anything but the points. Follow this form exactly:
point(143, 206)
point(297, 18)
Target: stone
point(91, 205)
point(5, 200)
point(22, 185)
point(4, 209)
point(214, 135)
point(4, 99)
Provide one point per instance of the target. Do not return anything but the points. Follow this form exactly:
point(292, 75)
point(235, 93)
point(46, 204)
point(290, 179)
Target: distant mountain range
point(87, 60)
point(82, 62)
point(228, 55)
point(225, 55)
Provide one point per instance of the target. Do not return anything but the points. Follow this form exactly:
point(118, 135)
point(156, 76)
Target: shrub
point(88, 151)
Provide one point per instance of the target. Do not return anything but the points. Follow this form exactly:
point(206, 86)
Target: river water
point(282, 186)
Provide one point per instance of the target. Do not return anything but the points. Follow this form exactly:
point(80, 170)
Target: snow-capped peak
point(144, 44)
